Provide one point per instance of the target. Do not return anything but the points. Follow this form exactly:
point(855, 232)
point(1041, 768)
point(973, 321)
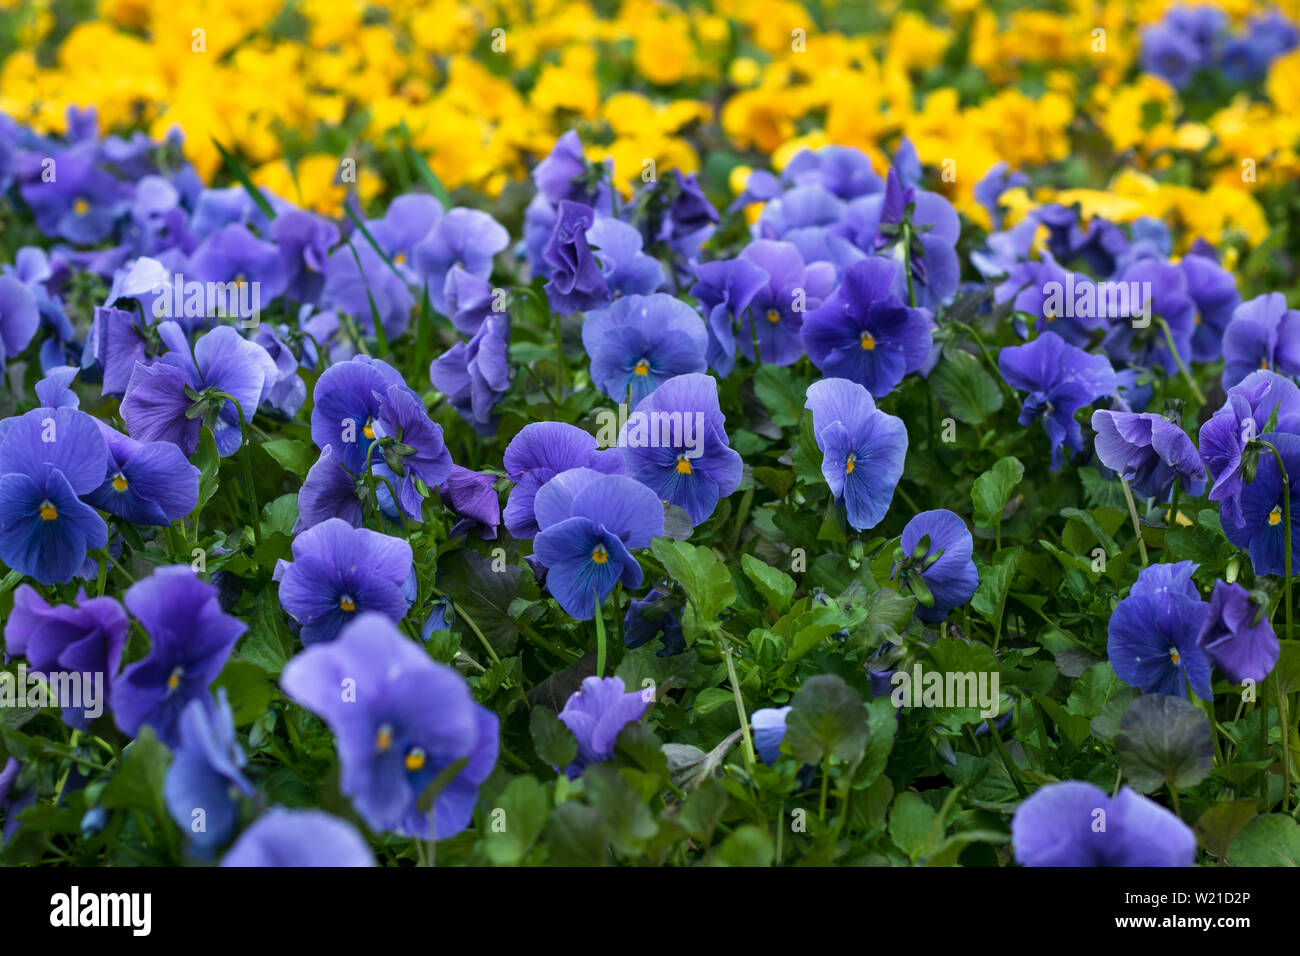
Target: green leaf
point(138, 782)
point(207, 460)
point(703, 810)
point(576, 836)
point(1094, 690)
point(701, 573)
point(1272, 840)
point(626, 815)
point(965, 388)
point(553, 742)
point(993, 489)
point(827, 718)
point(247, 689)
point(910, 823)
point(279, 516)
point(268, 643)
point(423, 170)
point(782, 392)
point(485, 595)
point(746, 846)
point(777, 587)
point(511, 833)
point(1218, 827)
point(295, 457)
point(1164, 740)
point(1286, 672)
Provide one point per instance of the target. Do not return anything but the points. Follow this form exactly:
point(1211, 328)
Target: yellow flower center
point(1197, 319)
point(1263, 364)
point(174, 680)
point(773, 316)
point(1275, 516)
point(81, 207)
point(369, 430)
point(867, 341)
point(415, 760)
point(400, 258)
point(347, 604)
point(599, 554)
point(1049, 316)
point(850, 464)
point(683, 465)
point(1175, 656)
point(119, 482)
point(240, 280)
point(383, 738)
point(48, 511)
point(642, 368)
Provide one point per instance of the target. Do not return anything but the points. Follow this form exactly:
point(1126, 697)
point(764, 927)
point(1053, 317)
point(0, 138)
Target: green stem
point(1137, 525)
point(826, 773)
point(740, 704)
point(1173, 797)
point(600, 634)
point(1173, 350)
point(477, 633)
point(1007, 761)
point(907, 261)
point(1173, 507)
point(248, 469)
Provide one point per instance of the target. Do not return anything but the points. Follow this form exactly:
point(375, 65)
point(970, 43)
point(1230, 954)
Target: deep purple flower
point(1214, 291)
point(1170, 54)
point(638, 342)
point(148, 483)
point(675, 444)
point(340, 572)
point(13, 800)
point(304, 241)
point(627, 270)
point(1064, 302)
point(206, 775)
point(466, 238)
point(79, 202)
point(117, 342)
point(590, 524)
point(1077, 824)
point(476, 375)
point(725, 288)
point(284, 392)
point(234, 205)
point(472, 495)
point(577, 283)
point(355, 276)
point(946, 565)
point(566, 174)
point(596, 714)
point(651, 617)
point(1262, 529)
point(233, 254)
point(776, 311)
point(346, 404)
point(1060, 380)
point(412, 446)
point(399, 718)
point(865, 333)
point(989, 190)
point(469, 300)
point(299, 838)
point(190, 641)
point(156, 403)
point(329, 491)
point(1251, 404)
point(1237, 636)
point(863, 448)
point(86, 638)
point(19, 317)
point(1153, 633)
point(1159, 291)
point(539, 452)
point(1262, 334)
point(1148, 451)
point(48, 458)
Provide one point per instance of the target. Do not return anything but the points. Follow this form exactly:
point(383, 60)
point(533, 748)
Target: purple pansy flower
point(355, 276)
point(1251, 404)
point(675, 444)
point(476, 375)
point(190, 641)
point(148, 483)
point(946, 565)
point(1057, 826)
point(1148, 451)
point(338, 573)
point(1214, 291)
point(329, 491)
point(1161, 293)
point(399, 718)
point(206, 775)
point(1262, 334)
point(769, 732)
point(1262, 529)
point(346, 403)
point(590, 525)
point(539, 452)
point(86, 638)
point(19, 317)
point(80, 202)
point(1153, 633)
point(863, 449)
point(654, 616)
point(596, 714)
point(412, 447)
point(989, 190)
point(49, 457)
point(638, 342)
point(304, 241)
point(725, 288)
point(466, 238)
point(299, 838)
point(232, 254)
point(1170, 54)
point(1237, 636)
point(577, 282)
point(865, 333)
point(776, 310)
point(1060, 380)
point(473, 496)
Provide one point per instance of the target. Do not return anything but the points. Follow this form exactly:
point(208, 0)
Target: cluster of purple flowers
point(1190, 40)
